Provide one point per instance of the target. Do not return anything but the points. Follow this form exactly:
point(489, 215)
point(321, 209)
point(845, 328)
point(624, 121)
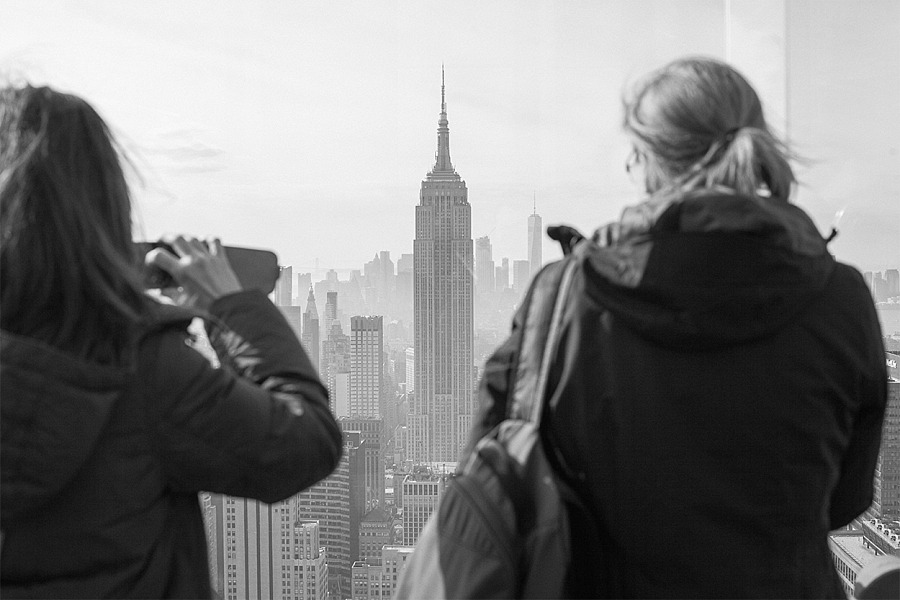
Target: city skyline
point(278, 126)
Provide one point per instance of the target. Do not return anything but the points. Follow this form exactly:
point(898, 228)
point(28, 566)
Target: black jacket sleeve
point(259, 426)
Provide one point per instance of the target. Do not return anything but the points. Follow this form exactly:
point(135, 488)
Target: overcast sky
point(308, 127)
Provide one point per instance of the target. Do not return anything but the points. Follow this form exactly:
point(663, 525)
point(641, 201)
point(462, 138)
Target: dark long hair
point(698, 122)
point(68, 273)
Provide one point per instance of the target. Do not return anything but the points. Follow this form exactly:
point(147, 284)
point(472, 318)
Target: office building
point(336, 503)
point(484, 266)
point(335, 369)
point(375, 532)
point(331, 311)
point(372, 432)
point(309, 569)
point(501, 275)
point(379, 581)
point(250, 547)
point(421, 493)
point(310, 337)
point(441, 415)
point(366, 366)
point(284, 287)
point(535, 243)
point(886, 503)
point(410, 370)
point(521, 276)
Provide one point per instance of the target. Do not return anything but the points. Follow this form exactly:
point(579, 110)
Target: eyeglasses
point(633, 160)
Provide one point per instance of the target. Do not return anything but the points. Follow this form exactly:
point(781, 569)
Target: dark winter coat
point(717, 397)
point(101, 466)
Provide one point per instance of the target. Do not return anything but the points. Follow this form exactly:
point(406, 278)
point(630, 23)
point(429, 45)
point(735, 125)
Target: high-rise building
point(366, 366)
point(294, 317)
point(886, 504)
point(284, 287)
point(371, 432)
point(375, 532)
point(441, 415)
point(501, 275)
point(521, 275)
point(892, 276)
point(337, 503)
point(310, 337)
point(410, 369)
point(535, 241)
point(331, 311)
point(336, 369)
point(252, 548)
point(379, 581)
point(310, 571)
point(421, 493)
point(484, 266)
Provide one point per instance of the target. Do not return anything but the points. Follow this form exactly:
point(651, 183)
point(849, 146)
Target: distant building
point(410, 369)
point(886, 503)
point(375, 532)
point(331, 311)
point(379, 581)
point(336, 368)
point(892, 277)
point(309, 569)
point(366, 366)
point(337, 504)
point(421, 493)
point(294, 317)
point(251, 550)
point(310, 337)
point(441, 414)
point(535, 244)
point(372, 433)
point(484, 266)
point(521, 276)
point(850, 552)
point(501, 275)
point(283, 294)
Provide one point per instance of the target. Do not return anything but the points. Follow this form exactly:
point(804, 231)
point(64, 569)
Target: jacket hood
point(707, 269)
point(54, 408)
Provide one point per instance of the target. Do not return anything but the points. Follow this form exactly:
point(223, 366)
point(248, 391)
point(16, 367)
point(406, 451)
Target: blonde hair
point(697, 123)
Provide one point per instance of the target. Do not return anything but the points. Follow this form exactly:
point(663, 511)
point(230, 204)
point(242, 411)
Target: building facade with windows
point(440, 416)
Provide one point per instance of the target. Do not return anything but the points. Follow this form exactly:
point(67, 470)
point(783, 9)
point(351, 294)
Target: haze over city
point(307, 128)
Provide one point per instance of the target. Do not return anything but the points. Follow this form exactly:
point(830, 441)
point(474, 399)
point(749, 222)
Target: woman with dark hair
point(111, 421)
point(719, 387)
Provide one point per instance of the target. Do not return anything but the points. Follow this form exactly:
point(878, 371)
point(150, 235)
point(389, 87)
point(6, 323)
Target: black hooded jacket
point(101, 465)
point(717, 397)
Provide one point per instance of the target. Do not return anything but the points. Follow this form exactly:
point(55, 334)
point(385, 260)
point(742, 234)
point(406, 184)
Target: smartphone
point(255, 268)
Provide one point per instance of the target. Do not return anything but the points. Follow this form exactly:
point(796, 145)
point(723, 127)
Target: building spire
point(442, 156)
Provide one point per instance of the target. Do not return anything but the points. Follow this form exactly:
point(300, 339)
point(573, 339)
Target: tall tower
point(310, 337)
point(366, 366)
point(534, 243)
point(441, 416)
point(484, 266)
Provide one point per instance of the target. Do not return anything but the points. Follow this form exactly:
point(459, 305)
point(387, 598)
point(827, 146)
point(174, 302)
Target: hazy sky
point(307, 127)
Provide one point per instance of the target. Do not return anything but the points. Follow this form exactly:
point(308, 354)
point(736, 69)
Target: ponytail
point(699, 123)
point(747, 160)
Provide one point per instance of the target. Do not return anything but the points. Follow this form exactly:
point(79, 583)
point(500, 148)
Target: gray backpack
point(501, 529)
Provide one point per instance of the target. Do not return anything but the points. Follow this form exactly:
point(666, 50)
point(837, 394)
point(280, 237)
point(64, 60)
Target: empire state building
point(441, 414)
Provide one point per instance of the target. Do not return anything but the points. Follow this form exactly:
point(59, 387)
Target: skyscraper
point(534, 243)
point(366, 366)
point(331, 311)
point(484, 265)
point(441, 415)
point(284, 287)
point(310, 337)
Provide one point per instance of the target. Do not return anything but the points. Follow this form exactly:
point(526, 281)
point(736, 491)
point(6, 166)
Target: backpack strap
point(541, 328)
